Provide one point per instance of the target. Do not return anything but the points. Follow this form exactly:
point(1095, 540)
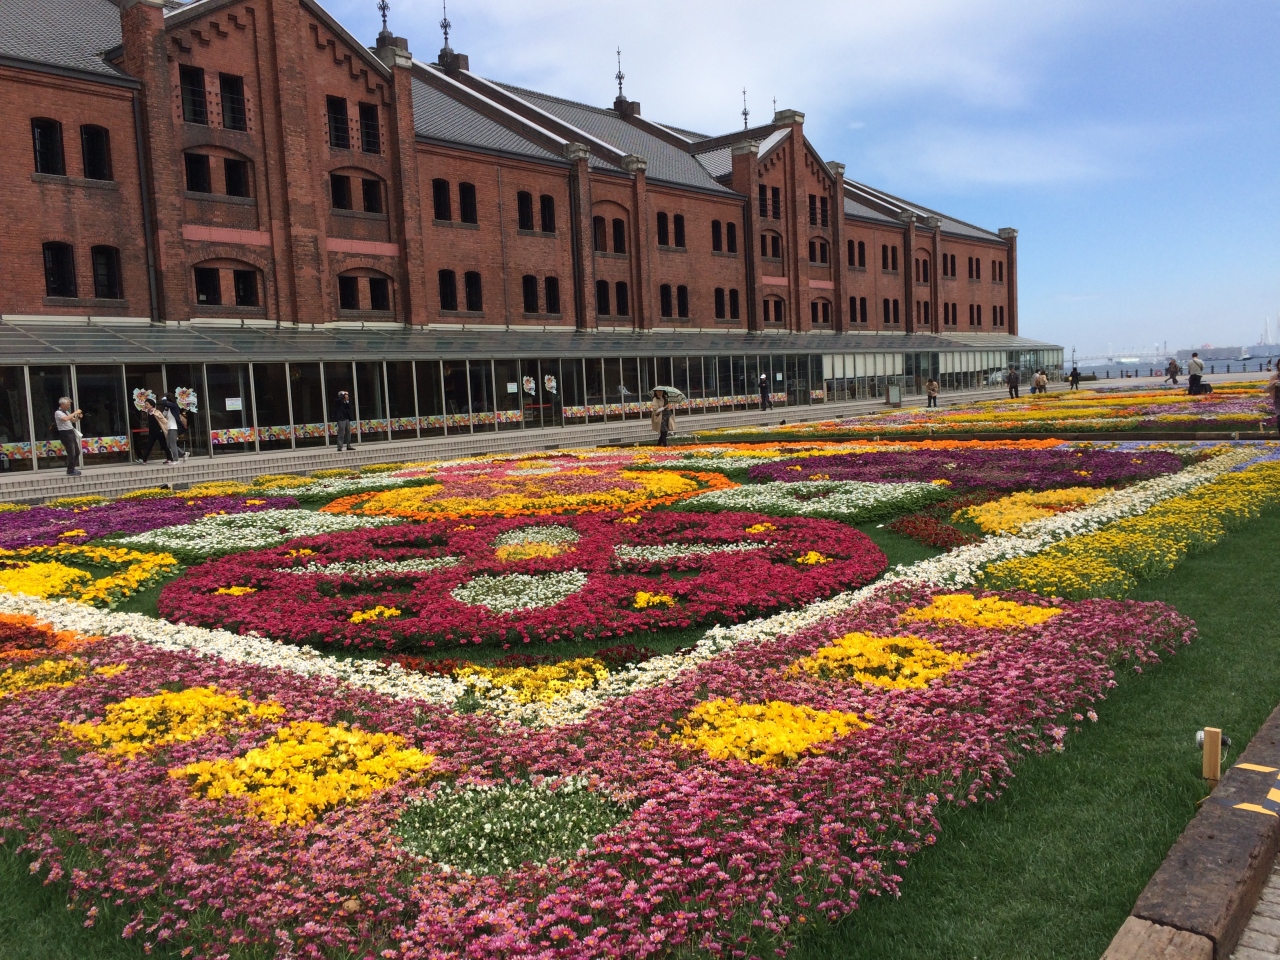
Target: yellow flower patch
point(1009, 514)
point(217, 488)
point(989, 613)
point(541, 684)
point(760, 528)
point(235, 591)
point(13, 507)
point(47, 579)
point(375, 613)
point(280, 481)
point(87, 500)
point(133, 570)
point(141, 724)
point(306, 769)
point(643, 600)
point(896, 663)
point(514, 552)
point(73, 533)
point(148, 493)
point(812, 558)
point(49, 674)
point(766, 734)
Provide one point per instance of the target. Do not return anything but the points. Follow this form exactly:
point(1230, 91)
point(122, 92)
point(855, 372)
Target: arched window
point(468, 212)
point(852, 256)
point(731, 237)
point(862, 309)
point(897, 313)
point(886, 307)
point(977, 310)
point(524, 213)
point(621, 299)
point(853, 309)
point(924, 270)
point(971, 314)
point(771, 246)
point(720, 303)
point(95, 146)
point(448, 290)
point(352, 295)
point(619, 235)
point(893, 258)
point(529, 283)
point(442, 209)
point(824, 252)
point(764, 200)
point(602, 298)
point(664, 300)
point(59, 270)
point(735, 305)
point(917, 266)
point(475, 296)
point(664, 231)
point(682, 301)
point(717, 236)
point(884, 256)
point(106, 273)
point(820, 312)
point(244, 284)
point(599, 242)
point(547, 203)
point(862, 254)
point(678, 224)
point(551, 292)
point(775, 310)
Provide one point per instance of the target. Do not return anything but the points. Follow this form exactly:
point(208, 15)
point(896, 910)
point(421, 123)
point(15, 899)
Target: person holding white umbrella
point(663, 415)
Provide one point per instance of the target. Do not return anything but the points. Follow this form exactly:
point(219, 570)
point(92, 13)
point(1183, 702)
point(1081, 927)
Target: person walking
point(1272, 391)
point(342, 413)
point(1075, 378)
point(1171, 372)
point(156, 422)
point(766, 401)
point(663, 417)
point(1195, 371)
point(66, 421)
point(1013, 382)
point(931, 391)
point(172, 414)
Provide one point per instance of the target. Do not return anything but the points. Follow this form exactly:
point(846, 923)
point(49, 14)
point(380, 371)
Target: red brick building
point(227, 163)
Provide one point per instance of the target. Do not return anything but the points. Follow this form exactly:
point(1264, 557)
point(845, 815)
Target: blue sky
point(1135, 146)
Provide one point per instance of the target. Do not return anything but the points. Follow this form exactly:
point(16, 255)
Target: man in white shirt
point(1195, 370)
point(66, 420)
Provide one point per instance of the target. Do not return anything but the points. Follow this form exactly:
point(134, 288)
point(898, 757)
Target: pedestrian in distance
point(1075, 378)
point(172, 415)
point(1171, 372)
point(67, 422)
point(931, 391)
point(1195, 373)
point(342, 413)
point(1272, 391)
point(156, 422)
point(663, 417)
point(766, 401)
point(1013, 382)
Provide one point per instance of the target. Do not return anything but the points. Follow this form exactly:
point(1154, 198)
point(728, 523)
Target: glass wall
point(457, 397)
point(271, 406)
point(184, 384)
point(230, 407)
point(510, 387)
point(306, 399)
point(47, 385)
point(337, 378)
point(15, 427)
point(400, 404)
point(430, 398)
point(483, 415)
point(371, 401)
point(143, 382)
point(100, 394)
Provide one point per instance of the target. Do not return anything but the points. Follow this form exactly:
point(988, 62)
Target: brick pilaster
point(746, 180)
point(394, 52)
point(1010, 236)
point(580, 217)
point(644, 293)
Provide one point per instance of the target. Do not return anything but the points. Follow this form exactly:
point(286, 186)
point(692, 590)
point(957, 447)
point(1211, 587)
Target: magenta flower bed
point(722, 856)
point(317, 608)
point(968, 469)
point(41, 526)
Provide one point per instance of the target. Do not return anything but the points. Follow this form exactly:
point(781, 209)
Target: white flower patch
point(550, 533)
point(510, 592)
point(237, 532)
point(848, 500)
point(678, 551)
point(366, 568)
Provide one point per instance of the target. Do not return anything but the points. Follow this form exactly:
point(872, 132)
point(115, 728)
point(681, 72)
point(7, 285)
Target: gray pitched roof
point(718, 163)
point(665, 162)
point(72, 34)
point(949, 224)
point(438, 116)
point(854, 209)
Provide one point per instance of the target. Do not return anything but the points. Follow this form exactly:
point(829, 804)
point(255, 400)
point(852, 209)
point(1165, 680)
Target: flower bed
point(56, 572)
point(999, 469)
point(215, 535)
point(847, 501)
point(514, 580)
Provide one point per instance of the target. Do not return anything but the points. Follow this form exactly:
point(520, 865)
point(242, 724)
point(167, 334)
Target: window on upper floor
point(208, 286)
point(977, 268)
point(664, 231)
point(775, 310)
point(245, 285)
point(551, 292)
point(348, 293)
point(735, 304)
point(231, 92)
point(717, 236)
point(441, 208)
point(602, 298)
point(524, 211)
point(764, 200)
point(924, 269)
point(677, 223)
point(884, 256)
point(195, 106)
point(775, 246)
point(813, 209)
point(95, 149)
point(622, 299)
point(340, 191)
point(776, 196)
point(720, 304)
point(599, 235)
point(475, 295)
point(893, 258)
point(953, 266)
point(820, 312)
point(885, 309)
point(370, 128)
point(380, 294)
point(235, 175)
point(664, 300)
point(448, 286)
point(199, 179)
point(46, 139)
point(547, 209)
point(372, 191)
point(106, 273)
point(619, 235)
point(971, 268)
point(825, 211)
point(819, 252)
point(339, 123)
point(529, 288)
point(682, 301)
point(997, 271)
point(731, 237)
point(468, 210)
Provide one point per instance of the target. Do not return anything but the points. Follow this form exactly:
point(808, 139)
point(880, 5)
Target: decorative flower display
point(706, 566)
point(849, 501)
point(1010, 514)
point(216, 534)
point(48, 572)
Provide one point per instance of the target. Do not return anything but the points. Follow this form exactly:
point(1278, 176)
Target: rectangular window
point(551, 290)
point(813, 251)
point(826, 211)
point(468, 209)
point(524, 210)
point(731, 237)
point(971, 268)
point(813, 209)
point(340, 191)
point(235, 174)
point(720, 303)
point(372, 190)
point(971, 314)
point(599, 235)
point(823, 252)
point(448, 290)
point(897, 314)
point(779, 311)
point(775, 246)
point(664, 231)
point(735, 305)
point(764, 201)
point(246, 287)
point(370, 136)
point(682, 301)
point(95, 144)
point(339, 124)
point(717, 236)
point(231, 89)
point(547, 203)
point(776, 195)
point(764, 245)
point(664, 300)
point(208, 287)
point(622, 299)
point(602, 298)
point(441, 207)
point(862, 254)
point(106, 273)
point(893, 258)
point(862, 310)
point(679, 230)
point(977, 312)
point(977, 268)
point(928, 320)
point(46, 139)
point(198, 177)
point(529, 285)
point(884, 257)
point(59, 270)
point(380, 294)
point(886, 306)
point(349, 293)
point(475, 296)
point(195, 109)
point(619, 235)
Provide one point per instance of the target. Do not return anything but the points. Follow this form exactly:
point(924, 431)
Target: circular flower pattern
point(607, 576)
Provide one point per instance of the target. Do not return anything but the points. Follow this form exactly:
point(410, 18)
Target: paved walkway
point(1261, 939)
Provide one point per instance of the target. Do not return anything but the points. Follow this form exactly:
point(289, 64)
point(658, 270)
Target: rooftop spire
point(444, 23)
point(383, 7)
point(620, 76)
point(745, 112)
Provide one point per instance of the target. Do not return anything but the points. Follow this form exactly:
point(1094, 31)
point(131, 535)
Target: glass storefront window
point(371, 401)
point(614, 397)
point(230, 407)
point(100, 394)
point(573, 392)
point(430, 398)
point(457, 400)
point(306, 394)
point(47, 385)
point(150, 378)
point(15, 428)
point(510, 387)
point(633, 400)
point(483, 414)
point(184, 384)
point(400, 406)
point(271, 406)
point(696, 390)
point(338, 377)
point(594, 373)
